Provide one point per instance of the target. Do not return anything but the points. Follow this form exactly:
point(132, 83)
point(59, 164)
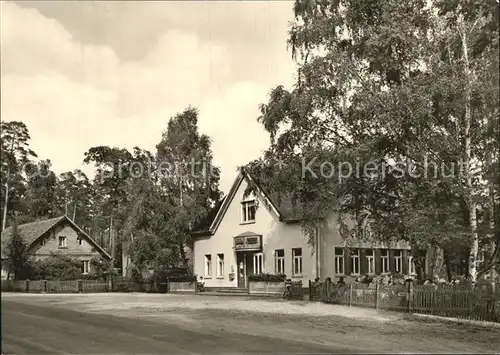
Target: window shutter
point(347, 253)
point(392, 261)
point(363, 262)
point(378, 266)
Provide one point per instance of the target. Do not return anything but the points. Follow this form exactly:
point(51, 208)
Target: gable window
point(85, 267)
point(411, 266)
point(79, 241)
point(370, 260)
point(248, 211)
point(339, 261)
point(208, 265)
point(43, 241)
point(258, 263)
point(398, 261)
point(384, 258)
point(62, 242)
point(220, 265)
point(355, 261)
point(297, 261)
point(279, 256)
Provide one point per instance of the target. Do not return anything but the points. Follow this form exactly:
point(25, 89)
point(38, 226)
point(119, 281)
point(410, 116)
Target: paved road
point(30, 329)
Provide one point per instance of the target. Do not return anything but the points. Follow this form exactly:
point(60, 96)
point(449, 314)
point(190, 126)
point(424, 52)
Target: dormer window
point(248, 211)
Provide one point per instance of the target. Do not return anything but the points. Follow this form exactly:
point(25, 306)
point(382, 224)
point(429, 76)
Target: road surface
point(46, 329)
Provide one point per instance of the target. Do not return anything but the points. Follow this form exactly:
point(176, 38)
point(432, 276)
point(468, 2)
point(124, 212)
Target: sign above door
point(248, 243)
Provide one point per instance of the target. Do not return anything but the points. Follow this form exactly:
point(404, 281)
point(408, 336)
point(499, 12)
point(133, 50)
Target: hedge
point(267, 277)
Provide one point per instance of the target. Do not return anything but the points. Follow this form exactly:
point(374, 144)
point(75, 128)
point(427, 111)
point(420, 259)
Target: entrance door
point(240, 261)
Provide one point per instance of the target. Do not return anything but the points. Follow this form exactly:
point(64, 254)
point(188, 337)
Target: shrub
point(267, 277)
point(58, 267)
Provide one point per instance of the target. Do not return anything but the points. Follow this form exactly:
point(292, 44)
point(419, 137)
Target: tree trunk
point(74, 210)
point(6, 202)
point(471, 204)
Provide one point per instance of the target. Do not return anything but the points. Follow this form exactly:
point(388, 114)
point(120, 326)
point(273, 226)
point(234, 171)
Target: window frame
point(411, 266)
point(62, 238)
point(355, 255)
point(220, 266)
point(208, 266)
point(398, 261)
point(370, 261)
point(85, 267)
point(279, 262)
point(384, 261)
point(297, 259)
point(258, 263)
point(337, 263)
point(244, 211)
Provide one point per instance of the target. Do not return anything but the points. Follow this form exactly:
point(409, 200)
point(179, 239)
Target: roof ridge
point(40, 220)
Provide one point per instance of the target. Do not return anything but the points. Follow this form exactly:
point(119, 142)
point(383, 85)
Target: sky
point(83, 74)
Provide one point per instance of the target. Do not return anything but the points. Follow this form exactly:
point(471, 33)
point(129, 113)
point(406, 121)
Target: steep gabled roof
point(282, 205)
point(30, 232)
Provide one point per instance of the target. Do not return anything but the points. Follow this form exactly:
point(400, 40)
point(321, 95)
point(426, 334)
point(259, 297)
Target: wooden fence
point(480, 303)
point(92, 286)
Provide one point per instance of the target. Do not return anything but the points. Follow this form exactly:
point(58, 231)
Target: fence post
point(27, 285)
point(80, 286)
point(410, 296)
point(44, 288)
point(310, 291)
point(376, 294)
point(350, 294)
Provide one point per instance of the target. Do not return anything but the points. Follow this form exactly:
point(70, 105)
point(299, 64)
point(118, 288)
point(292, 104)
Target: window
point(384, 260)
point(411, 266)
point(370, 260)
point(258, 263)
point(339, 261)
point(220, 265)
point(248, 211)
point(85, 267)
point(43, 241)
point(79, 241)
point(297, 262)
point(62, 242)
point(279, 256)
point(355, 261)
point(208, 265)
point(398, 261)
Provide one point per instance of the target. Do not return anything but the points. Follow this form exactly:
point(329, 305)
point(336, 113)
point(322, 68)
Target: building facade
point(56, 235)
point(256, 234)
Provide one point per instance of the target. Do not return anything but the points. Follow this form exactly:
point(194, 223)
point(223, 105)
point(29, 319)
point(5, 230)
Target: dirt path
point(364, 330)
